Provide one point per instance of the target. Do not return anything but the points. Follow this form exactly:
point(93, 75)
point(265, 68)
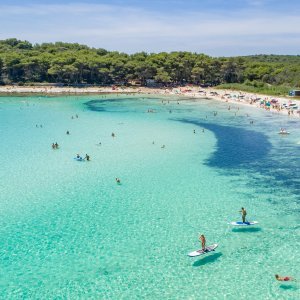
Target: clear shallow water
point(68, 231)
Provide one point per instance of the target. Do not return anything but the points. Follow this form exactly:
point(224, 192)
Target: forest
point(23, 63)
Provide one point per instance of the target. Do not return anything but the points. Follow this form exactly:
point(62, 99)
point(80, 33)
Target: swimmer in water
point(68, 132)
point(56, 145)
point(286, 278)
point(163, 146)
point(113, 135)
point(53, 146)
point(87, 157)
point(118, 180)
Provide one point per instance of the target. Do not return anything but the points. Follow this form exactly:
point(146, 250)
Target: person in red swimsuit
point(286, 278)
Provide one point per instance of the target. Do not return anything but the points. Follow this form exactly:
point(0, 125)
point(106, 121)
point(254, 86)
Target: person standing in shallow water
point(244, 214)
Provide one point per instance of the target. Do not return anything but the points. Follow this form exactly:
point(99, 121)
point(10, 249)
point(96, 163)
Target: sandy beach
point(280, 105)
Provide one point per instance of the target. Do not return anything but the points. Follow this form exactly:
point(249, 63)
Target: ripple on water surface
point(68, 231)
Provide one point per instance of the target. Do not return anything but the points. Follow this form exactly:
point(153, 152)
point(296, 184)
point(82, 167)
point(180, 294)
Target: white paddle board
point(243, 224)
point(201, 252)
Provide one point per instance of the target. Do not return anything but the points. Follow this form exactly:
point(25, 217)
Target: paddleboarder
point(244, 214)
point(203, 241)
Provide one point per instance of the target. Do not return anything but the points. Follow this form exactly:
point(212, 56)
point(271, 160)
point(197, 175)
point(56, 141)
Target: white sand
point(237, 97)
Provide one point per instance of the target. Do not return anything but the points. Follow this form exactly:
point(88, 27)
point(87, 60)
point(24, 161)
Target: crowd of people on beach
point(276, 104)
point(279, 105)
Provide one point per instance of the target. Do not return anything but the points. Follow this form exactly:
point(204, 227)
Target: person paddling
point(244, 214)
point(203, 241)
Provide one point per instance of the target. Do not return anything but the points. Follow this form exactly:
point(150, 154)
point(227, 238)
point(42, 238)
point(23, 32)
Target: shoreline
point(279, 105)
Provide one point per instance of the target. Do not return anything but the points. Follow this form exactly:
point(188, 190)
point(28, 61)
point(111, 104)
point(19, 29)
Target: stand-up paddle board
point(243, 223)
point(201, 252)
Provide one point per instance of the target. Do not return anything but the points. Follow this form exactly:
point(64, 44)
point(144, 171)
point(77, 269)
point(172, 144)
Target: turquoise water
point(68, 231)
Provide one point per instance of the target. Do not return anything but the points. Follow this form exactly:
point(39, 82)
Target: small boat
point(79, 158)
point(284, 132)
point(293, 106)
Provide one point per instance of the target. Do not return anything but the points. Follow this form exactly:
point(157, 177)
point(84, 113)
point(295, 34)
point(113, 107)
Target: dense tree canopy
point(22, 63)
